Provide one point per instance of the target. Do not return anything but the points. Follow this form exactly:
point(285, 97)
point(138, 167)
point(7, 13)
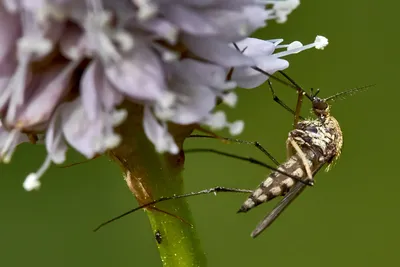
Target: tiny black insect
point(158, 237)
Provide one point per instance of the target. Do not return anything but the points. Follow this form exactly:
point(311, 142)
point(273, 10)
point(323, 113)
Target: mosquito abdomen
point(277, 184)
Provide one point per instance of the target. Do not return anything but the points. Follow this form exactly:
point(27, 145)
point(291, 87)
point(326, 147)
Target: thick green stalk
point(151, 175)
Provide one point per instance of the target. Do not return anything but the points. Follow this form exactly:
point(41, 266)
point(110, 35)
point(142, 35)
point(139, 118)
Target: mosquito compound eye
point(319, 104)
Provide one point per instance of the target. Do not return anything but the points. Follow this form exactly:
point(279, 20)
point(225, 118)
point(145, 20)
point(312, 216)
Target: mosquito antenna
point(349, 92)
point(162, 199)
point(312, 92)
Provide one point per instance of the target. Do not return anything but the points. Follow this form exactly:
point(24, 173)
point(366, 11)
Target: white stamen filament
point(125, 40)
point(320, 43)
point(32, 181)
point(16, 89)
point(11, 138)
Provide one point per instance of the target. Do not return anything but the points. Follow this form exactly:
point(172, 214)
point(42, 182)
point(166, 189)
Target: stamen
point(97, 25)
point(296, 47)
point(32, 181)
point(164, 107)
point(230, 99)
point(147, 9)
point(112, 141)
point(321, 42)
point(119, 116)
point(236, 127)
point(125, 40)
point(166, 143)
point(281, 9)
point(217, 121)
point(167, 100)
point(10, 139)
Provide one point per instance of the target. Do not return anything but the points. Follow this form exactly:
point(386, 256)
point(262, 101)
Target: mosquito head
point(320, 106)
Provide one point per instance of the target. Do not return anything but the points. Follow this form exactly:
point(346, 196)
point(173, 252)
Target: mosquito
point(312, 144)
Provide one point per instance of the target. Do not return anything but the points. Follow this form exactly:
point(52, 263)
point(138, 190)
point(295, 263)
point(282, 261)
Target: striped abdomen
point(277, 184)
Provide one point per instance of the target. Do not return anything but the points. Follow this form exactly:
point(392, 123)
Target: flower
point(67, 65)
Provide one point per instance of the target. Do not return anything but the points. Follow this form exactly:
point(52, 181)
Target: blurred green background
point(350, 218)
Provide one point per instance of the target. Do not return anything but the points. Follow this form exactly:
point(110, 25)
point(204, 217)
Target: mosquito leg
point(253, 143)
point(210, 134)
point(274, 96)
point(253, 161)
point(303, 158)
point(230, 72)
point(162, 199)
point(300, 94)
point(80, 162)
point(278, 100)
point(297, 116)
point(295, 85)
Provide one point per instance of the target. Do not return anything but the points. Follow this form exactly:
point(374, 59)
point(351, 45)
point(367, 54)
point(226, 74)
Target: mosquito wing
point(296, 190)
point(282, 205)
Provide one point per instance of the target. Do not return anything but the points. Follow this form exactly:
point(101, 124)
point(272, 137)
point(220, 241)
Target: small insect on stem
point(158, 237)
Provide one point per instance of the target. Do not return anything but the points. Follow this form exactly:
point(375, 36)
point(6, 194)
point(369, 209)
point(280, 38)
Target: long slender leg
point(162, 199)
point(230, 72)
point(302, 157)
point(206, 191)
point(295, 85)
point(300, 94)
point(80, 162)
point(251, 160)
point(253, 143)
point(278, 100)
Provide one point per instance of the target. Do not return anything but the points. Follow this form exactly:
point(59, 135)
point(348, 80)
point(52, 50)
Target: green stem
point(151, 175)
